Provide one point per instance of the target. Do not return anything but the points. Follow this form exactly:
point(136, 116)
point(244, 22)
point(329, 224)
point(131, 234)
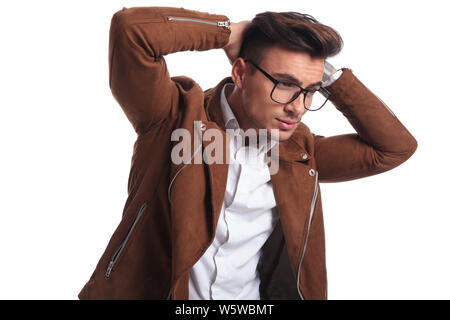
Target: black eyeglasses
point(284, 92)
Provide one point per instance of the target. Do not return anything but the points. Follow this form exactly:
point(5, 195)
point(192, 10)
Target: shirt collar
point(231, 121)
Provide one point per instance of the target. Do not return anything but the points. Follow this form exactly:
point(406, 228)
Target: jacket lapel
point(217, 172)
point(293, 188)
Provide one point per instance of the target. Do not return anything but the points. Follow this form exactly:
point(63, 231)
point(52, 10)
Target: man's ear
point(238, 72)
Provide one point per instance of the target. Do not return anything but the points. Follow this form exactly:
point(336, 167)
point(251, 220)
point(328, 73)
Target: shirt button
point(311, 172)
point(304, 156)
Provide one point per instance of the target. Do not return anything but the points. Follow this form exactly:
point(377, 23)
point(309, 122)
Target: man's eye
point(311, 92)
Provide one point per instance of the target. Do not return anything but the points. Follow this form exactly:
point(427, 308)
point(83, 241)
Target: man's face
point(259, 110)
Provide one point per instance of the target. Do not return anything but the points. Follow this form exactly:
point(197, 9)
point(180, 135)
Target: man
point(233, 230)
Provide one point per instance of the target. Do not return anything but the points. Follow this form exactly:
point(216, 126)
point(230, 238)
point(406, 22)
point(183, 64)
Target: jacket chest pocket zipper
point(119, 250)
point(311, 213)
point(225, 24)
point(180, 169)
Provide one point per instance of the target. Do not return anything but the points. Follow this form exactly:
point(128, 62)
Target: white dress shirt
point(227, 270)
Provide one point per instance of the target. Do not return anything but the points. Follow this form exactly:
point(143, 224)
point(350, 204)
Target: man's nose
point(296, 108)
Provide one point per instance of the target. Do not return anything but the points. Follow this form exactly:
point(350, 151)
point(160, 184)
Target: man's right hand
point(234, 43)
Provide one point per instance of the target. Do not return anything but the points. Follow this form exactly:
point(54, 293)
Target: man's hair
point(291, 30)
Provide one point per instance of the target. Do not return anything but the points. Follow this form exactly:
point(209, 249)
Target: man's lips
point(286, 124)
point(287, 121)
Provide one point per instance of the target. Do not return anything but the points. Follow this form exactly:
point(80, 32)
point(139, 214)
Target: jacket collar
point(212, 103)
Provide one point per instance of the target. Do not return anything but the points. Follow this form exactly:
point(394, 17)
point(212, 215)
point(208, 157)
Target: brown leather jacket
point(171, 213)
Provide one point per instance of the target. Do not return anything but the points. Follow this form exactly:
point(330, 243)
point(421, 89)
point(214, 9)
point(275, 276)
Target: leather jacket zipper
point(170, 294)
point(116, 255)
point(175, 176)
point(225, 24)
point(311, 213)
point(184, 165)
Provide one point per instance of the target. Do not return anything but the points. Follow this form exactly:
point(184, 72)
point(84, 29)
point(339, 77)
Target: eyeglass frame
point(322, 90)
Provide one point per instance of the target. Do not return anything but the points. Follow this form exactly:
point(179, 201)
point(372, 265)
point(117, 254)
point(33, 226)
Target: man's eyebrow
point(293, 79)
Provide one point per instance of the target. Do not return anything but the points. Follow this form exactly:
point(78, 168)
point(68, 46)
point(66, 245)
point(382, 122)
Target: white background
point(66, 145)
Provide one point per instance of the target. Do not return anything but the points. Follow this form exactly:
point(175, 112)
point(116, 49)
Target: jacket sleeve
point(380, 144)
point(139, 38)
